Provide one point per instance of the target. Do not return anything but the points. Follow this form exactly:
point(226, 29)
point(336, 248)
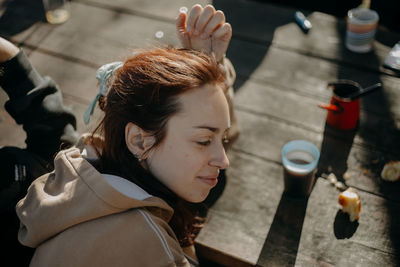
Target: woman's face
point(189, 158)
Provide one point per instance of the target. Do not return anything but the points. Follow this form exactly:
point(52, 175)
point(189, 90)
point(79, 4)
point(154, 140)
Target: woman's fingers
point(216, 21)
point(204, 18)
point(181, 30)
point(220, 40)
point(180, 22)
point(204, 29)
point(194, 15)
point(223, 33)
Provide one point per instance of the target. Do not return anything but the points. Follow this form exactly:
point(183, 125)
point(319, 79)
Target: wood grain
point(329, 238)
point(282, 76)
point(245, 211)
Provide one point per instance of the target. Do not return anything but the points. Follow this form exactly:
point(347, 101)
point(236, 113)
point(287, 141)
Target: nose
point(220, 160)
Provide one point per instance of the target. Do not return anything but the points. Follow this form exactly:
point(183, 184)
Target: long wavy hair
point(145, 91)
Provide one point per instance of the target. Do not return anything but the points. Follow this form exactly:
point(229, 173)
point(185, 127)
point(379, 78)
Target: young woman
point(123, 196)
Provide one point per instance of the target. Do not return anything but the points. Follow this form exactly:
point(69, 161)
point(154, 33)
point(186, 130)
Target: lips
point(210, 180)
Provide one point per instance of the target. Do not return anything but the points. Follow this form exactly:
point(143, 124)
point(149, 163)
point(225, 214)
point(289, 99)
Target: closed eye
point(204, 143)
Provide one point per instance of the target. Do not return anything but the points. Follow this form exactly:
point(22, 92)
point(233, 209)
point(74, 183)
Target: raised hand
point(204, 29)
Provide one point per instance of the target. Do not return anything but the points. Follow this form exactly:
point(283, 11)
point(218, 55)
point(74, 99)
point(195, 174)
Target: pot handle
point(330, 107)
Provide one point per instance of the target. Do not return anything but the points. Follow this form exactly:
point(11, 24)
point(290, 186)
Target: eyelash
point(225, 140)
point(205, 143)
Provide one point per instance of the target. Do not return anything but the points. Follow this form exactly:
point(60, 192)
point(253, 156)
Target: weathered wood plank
point(264, 137)
point(97, 45)
point(74, 79)
point(327, 40)
point(104, 36)
point(329, 238)
point(281, 244)
point(307, 75)
point(19, 20)
point(300, 231)
point(163, 10)
point(364, 165)
point(267, 23)
point(381, 133)
point(310, 75)
point(240, 220)
point(276, 104)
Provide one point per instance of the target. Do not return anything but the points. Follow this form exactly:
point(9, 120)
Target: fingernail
point(183, 9)
point(189, 29)
point(196, 32)
point(203, 36)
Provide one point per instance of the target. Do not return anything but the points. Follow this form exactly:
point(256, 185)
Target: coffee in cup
point(299, 159)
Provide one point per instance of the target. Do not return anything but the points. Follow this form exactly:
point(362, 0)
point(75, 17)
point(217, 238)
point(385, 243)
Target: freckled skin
point(180, 162)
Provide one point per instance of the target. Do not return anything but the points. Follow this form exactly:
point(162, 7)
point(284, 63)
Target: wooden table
point(282, 76)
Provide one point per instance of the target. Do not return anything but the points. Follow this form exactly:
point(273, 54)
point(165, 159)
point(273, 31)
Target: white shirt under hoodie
point(76, 216)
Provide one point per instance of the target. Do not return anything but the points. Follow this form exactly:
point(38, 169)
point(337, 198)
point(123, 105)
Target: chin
point(197, 199)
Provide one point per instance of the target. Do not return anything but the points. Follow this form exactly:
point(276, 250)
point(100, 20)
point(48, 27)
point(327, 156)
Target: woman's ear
point(137, 140)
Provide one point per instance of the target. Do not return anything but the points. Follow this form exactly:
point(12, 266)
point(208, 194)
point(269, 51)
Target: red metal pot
point(344, 109)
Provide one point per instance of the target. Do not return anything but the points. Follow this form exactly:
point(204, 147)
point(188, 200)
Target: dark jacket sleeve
point(36, 103)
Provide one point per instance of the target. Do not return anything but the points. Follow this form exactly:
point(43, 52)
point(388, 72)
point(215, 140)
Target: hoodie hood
point(76, 192)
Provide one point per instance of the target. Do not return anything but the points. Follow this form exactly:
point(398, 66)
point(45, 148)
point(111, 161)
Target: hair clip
point(102, 74)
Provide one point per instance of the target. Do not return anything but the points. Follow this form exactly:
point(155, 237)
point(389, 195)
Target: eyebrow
point(212, 129)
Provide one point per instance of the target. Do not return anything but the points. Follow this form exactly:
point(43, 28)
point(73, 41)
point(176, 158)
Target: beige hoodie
point(76, 216)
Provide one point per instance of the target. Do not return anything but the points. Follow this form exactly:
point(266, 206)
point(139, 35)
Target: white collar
point(126, 187)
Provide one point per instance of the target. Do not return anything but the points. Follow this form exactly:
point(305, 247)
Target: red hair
point(145, 91)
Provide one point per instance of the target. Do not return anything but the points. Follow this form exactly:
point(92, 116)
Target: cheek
point(177, 162)
point(192, 162)
point(168, 161)
point(184, 155)
point(186, 160)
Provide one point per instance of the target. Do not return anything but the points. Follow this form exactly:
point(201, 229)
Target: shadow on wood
point(381, 100)
point(250, 19)
point(335, 150)
point(19, 15)
point(387, 9)
point(342, 227)
point(282, 243)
